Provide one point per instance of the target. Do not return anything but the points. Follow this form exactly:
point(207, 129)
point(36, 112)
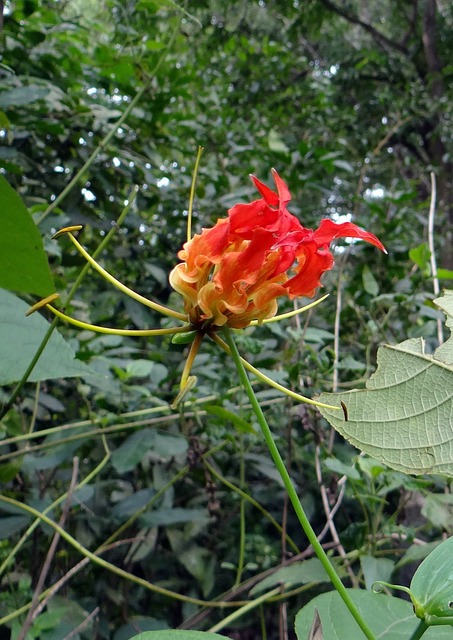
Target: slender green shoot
point(292, 494)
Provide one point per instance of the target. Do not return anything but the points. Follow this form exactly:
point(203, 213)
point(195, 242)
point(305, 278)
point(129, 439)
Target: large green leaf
point(404, 416)
point(178, 634)
point(23, 262)
point(389, 618)
point(20, 337)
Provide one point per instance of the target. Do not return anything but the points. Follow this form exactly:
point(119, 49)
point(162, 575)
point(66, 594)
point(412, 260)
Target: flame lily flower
point(232, 274)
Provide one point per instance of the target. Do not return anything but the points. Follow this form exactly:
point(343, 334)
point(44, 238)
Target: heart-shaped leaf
point(388, 618)
point(404, 416)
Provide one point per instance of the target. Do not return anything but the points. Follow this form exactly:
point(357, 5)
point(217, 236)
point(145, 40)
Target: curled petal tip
point(42, 303)
point(75, 227)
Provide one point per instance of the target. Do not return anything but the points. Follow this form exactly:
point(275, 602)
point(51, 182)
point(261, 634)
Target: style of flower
point(232, 274)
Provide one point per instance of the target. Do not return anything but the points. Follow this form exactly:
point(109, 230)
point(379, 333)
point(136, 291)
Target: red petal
point(282, 189)
point(329, 230)
point(245, 218)
point(312, 265)
point(270, 196)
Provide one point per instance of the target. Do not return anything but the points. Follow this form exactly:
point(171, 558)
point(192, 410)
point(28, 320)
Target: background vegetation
point(352, 104)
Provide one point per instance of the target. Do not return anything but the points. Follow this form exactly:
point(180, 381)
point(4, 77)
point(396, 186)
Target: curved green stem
point(112, 567)
point(245, 496)
point(244, 609)
point(54, 504)
point(259, 374)
point(122, 287)
point(292, 494)
point(115, 332)
point(289, 314)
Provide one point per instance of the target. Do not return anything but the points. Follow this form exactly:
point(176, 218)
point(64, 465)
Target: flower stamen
point(119, 285)
point(290, 314)
point(259, 374)
point(116, 332)
point(42, 303)
point(192, 193)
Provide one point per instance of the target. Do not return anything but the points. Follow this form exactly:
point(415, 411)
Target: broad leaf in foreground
point(20, 337)
point(389, 618)
point(404, 417)
point(23, 262)
point(178, 634)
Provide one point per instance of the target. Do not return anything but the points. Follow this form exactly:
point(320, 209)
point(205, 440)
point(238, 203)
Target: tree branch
point(385, 42)
point(433, 61)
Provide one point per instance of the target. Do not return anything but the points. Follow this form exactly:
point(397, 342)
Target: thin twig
point(334, 509)
point(83, 624)
point(53, 590)
point(431, 216)
point(330, 523)
point(34, 609)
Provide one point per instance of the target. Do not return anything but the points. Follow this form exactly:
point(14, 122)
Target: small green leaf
point(11, 525)
point(58, 358)
point(184, 338)
point(416, 553)
point(369, 281)
point(175, 515)
point(333, 464)
point(438, 509)
point(132, 450)
point(445, 274)
point(375, 569)
point(139, 368)
point(23, 262)
point(275, 142)
point(228, 416)
point(420, 255)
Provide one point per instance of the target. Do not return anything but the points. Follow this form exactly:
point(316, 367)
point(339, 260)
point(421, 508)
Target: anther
point(42, 303)
point(75, 227)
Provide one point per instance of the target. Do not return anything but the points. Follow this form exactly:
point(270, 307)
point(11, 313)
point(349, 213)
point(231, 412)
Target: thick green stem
point(306, 526)
point(420, 630)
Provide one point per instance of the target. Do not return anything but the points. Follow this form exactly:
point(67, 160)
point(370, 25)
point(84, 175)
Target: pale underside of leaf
point(404, 417)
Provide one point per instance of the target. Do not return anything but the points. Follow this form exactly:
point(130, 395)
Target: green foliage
point(343, 99)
